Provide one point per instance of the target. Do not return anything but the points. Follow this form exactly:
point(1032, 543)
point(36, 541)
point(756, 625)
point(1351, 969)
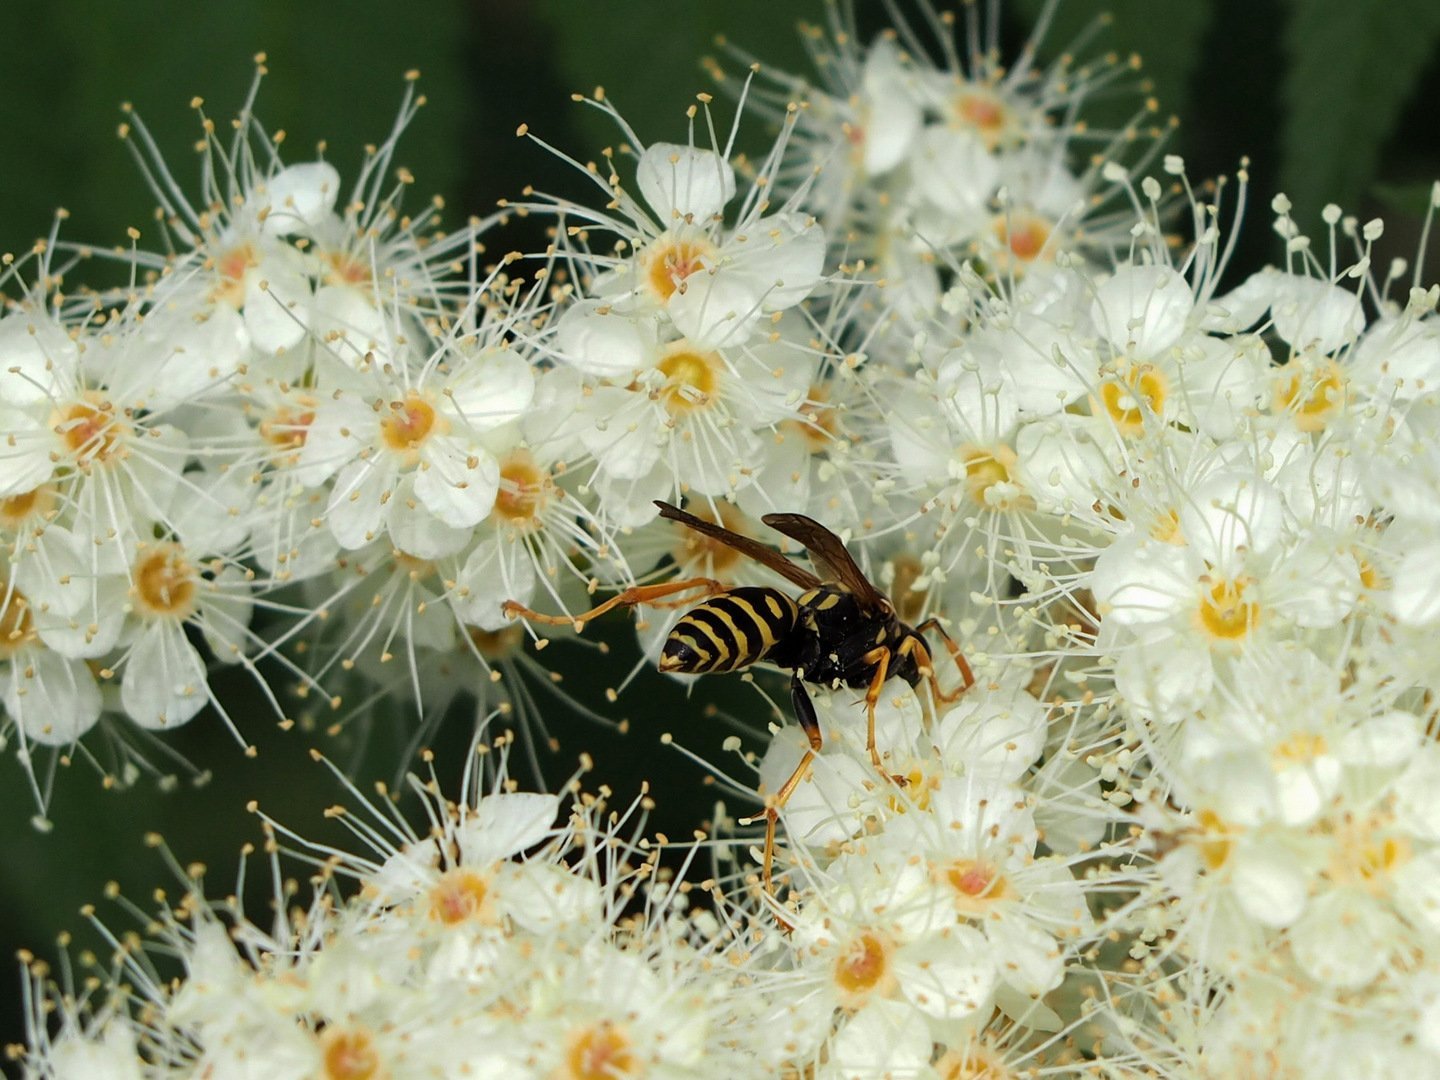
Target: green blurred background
point(1332, 99)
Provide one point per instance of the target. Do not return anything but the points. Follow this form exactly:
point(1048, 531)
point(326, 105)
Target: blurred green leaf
point(1167, 35)
point(652, 89)
point(1353, 65)
point(337, 75)
point(1411, 199)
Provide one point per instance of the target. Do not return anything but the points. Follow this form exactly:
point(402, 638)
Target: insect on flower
point(841, 630)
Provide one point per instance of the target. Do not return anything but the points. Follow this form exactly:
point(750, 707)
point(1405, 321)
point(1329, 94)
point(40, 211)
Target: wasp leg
point(662, 595)
point(967, 678)
point(810, 723)
point(880, 657)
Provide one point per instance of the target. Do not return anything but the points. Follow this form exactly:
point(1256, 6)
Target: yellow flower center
point(349, 1054)
point(232, 266)
point(600, 1052)
point(974, 1062)
point(819, 423)
point(986, 467)
point(709, 555)
point(982, 110)
point(17, 623)
point(163, 583)
point(495, 644)
point(1311, 395)
point(690, 377)
point(15, 510)
point(673, 258)
point(977, 885)
point(1225, 612)
point(1138, 392)
point(1213, 839)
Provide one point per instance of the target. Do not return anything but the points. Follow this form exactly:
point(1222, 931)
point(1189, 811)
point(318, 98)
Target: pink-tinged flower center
point(232, 266)
point(89, 430)
point(1024, 237)
point(286, 428)
point(164, 584)
point(458, 896)
point(672, 259)
point(601, 1052)
point(349, 1054)
point(983, 111)
point(864, 967)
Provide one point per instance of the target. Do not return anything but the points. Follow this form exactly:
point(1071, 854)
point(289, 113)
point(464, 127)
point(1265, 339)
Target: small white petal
point(680, 181)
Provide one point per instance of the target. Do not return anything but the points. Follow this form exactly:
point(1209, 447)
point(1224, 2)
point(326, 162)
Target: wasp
point(840, 631)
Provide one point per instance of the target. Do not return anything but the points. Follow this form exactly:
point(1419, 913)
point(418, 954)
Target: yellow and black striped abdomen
point(734, 630)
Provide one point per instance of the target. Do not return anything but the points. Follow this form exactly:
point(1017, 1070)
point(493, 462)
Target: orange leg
point(880, 657)
point(662, 595)
point(967, 678)
point(810, 723)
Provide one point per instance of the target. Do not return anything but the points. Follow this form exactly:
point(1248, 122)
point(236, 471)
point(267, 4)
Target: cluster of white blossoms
point(1186, 530)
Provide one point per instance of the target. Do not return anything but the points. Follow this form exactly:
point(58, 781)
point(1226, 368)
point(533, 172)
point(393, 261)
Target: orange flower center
point(671, 259)
point(232, 266)
point(409, 424)
point(349, 1054)
point(15, 510)
point(1023, 237)
point(164, 583)
point(819, 423)
point(495, 644)
point(601, 1052)
point(524, 489)
point(710, 555)
point(287, 429)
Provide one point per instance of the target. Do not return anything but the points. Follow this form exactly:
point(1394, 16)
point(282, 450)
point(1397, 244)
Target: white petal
point(1137, 583)
point(504, 825)
point(1143, 309)
point(1229, 514)
point(949, 977)
point(884, 1039)
point(680, 181)
point(1344, 940)
point(164, 683)
point(1001, 734)
point(457, 481)
point(1166, 681)
point(298, 197)
point(37, 357)
point(53, 699)
point(1268, 880)
point(415, 530)
point(277, 302)
point(954, 170)
point(1315, 314)
point(608, 345)
point(1030, 959)
point(499, 569)
point(1418, 603)
point(357, 504)
point(492, 389)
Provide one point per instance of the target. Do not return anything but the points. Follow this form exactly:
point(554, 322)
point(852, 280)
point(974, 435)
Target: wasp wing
point(765, 556)
point(829, 554)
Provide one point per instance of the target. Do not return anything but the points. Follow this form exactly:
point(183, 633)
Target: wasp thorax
point(671, 259)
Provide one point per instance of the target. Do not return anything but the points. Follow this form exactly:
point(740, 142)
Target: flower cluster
point(1183, 527)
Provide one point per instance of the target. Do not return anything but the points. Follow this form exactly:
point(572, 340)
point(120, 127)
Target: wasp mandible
point(840, 631)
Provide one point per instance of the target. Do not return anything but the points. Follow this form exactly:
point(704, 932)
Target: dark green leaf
point(1353, 64)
